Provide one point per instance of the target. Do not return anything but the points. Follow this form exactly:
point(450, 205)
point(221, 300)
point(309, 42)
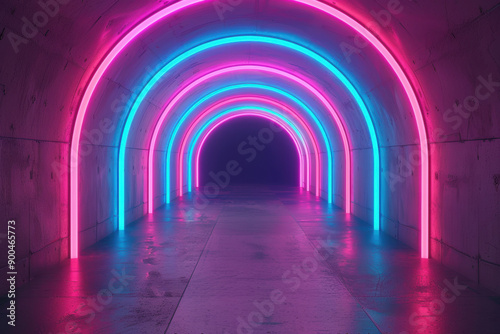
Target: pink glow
point(240, 99)
point(247, 113)
point(262, 68)
point(417, 112)
point(80, 116)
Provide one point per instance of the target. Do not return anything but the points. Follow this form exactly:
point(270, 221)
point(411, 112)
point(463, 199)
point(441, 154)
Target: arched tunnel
point(250, 166)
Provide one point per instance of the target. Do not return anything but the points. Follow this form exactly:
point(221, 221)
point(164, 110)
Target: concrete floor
point(256, 260)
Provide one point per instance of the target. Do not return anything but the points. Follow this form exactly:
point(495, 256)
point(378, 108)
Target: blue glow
point(248, 39)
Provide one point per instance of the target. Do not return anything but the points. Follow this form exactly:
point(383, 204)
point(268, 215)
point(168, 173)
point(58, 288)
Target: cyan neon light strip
point(254, 39)
point(417, 112)
point(82, 109)
point(245, 86)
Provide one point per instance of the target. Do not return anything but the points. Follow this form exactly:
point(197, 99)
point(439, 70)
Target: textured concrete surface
point(256, 260)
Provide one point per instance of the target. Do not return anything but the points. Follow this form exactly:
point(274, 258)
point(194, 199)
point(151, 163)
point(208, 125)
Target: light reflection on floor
point(255, 260)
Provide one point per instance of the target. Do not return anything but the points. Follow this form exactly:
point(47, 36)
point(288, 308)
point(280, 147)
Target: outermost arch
point(335, 13)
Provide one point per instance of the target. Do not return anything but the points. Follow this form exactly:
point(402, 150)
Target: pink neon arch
point(82, 109)
point(262, 68)
point(417, 111)
point(229, 101)
point(278, 105)
point(151, 20)
point(230, 117)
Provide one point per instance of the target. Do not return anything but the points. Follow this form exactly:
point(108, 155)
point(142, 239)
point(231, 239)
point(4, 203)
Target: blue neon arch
point(249, 39)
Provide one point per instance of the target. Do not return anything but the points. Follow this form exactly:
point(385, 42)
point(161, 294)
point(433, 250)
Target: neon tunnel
point(343, 142)
point(300, 49)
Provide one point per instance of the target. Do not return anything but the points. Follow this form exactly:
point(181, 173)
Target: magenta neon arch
point(177, 7)
point(417, 111)
point(84, 103)
point(226, 118)
point(261, 68)
point(229, 101)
